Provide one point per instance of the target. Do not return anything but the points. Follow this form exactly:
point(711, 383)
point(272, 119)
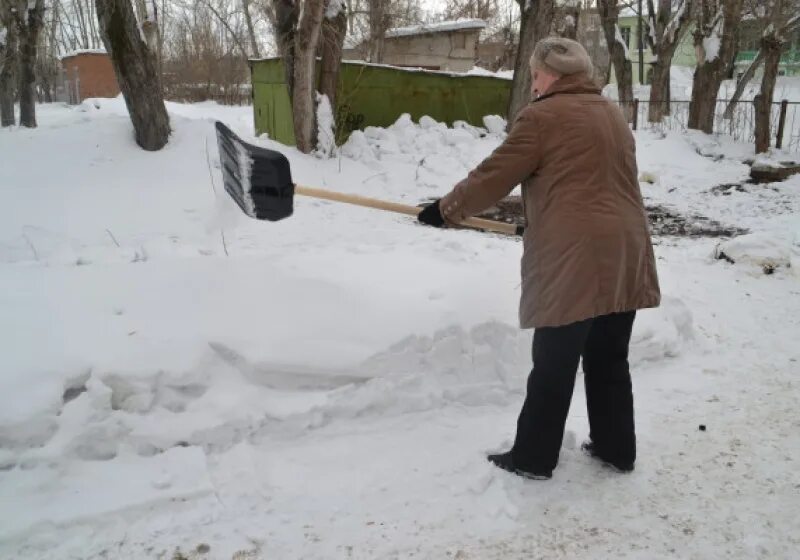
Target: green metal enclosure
point(375, 95)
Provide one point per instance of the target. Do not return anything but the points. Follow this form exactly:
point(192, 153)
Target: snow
point(478, 71)
point(78, 52)
point(245, 162)
point(712, 41)
point(761, 250)
point(494, 124)
point(438, 27)
point(618, 37)
point(474, 71)
point(330, 388)
point(711, 47)
point(334, 8)
point(326, 130)
point(786, 87)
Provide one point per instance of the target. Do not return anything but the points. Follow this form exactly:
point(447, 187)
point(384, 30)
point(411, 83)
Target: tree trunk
point(8, 65)
point(148, 23)
point(286, 14)
point(332, 42)
point(617, 52)
point(251, 31)
point(742, 84)
point(305, 49)
point(659, 92)
point(30, 19)
point(668, 26)
point(135, 68)
point(377, 29)
point(565, 22)
point(48, 57)
point(772, 47)
point(536, 17)
point(717, 20)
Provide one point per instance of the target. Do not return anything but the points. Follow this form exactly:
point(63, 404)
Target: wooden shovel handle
point(358, 200)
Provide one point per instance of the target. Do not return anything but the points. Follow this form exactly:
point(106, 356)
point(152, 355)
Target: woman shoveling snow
point(588, 261)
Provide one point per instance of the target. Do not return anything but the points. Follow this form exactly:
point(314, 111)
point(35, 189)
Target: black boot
point(588, 447)
point(505, 462)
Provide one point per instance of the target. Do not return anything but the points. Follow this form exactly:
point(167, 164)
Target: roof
point(79, 52)
point(474, 72)
point(438, 27)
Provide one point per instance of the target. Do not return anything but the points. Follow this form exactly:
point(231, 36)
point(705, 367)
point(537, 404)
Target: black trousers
point(603, 344)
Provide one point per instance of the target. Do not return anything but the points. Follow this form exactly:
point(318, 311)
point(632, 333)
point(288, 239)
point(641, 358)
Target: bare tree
point(147, 14)
point(618, 52)
point(286, 15)
point(667, 26)
point(536, 17)
point(29, 20)
point(715, 44)
point(368, 21)
point(76, 25)
point(303, 32)
point(305, 48)
point(486, 10)
point(334, 28)
point(783, 18)
point(748, 75)
point(8, 64)
point(203, 59)
point(251, 30)
point(226, 19)
point(752, 11)
point(135, 68)
point(565, 19)
point(379, 23)
point(47, 64)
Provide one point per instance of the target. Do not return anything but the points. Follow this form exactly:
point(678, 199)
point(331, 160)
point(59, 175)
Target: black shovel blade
point(258, 179)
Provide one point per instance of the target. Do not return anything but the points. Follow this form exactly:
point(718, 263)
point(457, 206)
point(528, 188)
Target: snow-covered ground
point(176, 377)
point(681, 77)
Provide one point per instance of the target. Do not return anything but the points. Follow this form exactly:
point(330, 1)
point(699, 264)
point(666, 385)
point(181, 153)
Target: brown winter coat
point(587, 249)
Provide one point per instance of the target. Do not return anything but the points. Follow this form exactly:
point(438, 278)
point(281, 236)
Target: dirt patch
point(508, 210)
point(728, 188)
point(663, 221)
point(667, 222)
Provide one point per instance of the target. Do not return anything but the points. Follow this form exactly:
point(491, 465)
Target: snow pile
point(663, 332)
point(495, 124)
point(761, 250)
point(326, 127)
point(433, 147)
point(775, 158)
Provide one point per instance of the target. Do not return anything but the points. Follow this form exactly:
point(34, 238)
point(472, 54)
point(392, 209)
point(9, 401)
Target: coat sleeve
point(511, 162)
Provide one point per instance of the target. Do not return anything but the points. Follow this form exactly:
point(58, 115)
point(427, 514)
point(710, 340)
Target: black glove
point(431, 215)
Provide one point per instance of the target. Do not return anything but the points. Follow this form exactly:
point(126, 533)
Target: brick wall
point(89, 75)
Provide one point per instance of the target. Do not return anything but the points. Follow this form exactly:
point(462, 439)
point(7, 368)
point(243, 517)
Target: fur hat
point(561, 56)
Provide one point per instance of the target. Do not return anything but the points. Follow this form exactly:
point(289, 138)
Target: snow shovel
point(260, 182)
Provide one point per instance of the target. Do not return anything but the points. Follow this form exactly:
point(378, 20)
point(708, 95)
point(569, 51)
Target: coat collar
point(574, 83)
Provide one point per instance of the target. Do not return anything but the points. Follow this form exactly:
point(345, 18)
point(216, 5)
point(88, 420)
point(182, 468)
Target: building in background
point(448, 45)
point(685, 54)
point(85, 74)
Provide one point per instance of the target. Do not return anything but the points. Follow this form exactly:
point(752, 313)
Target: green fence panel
point(373, 95)
point(272, 110)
